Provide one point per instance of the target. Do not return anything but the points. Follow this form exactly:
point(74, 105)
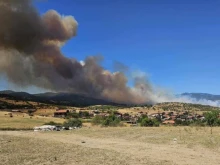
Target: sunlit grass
point(24, 121)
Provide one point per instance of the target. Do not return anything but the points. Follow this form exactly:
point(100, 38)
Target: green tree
point(211, 118)
point(72, 115)
point(111, 120)
point(146, 122)
point(52, 123)
point(73, 123)
point(97, 120)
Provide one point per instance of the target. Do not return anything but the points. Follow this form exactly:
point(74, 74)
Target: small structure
point(167, 122)
point(61, 113)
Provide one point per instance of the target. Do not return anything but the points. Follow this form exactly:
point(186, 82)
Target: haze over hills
point(202, 96)
point(71, 99)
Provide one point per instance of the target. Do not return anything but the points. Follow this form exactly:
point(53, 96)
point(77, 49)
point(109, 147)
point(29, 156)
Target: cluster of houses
point(171, 117)
point(165, 117)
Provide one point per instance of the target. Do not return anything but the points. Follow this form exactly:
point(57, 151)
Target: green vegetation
point(97, 120)
point(146, 122)
point(185, 123)
point(73, 123)
point(212, 119)
point(52, 123)
point(111, 120)
point(174, 106)
point(104, 107)
point(72, 115)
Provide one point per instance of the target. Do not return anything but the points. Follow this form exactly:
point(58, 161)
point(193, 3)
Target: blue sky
point(175, 42)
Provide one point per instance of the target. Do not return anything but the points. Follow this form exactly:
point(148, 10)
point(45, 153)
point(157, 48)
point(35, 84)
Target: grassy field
point(24, 121)
point(121, 145)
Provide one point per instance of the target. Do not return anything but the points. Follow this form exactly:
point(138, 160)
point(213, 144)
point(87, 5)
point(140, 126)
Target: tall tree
point(211, 118)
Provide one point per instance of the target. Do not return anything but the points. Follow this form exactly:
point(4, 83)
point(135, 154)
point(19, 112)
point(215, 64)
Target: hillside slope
point(67, 99)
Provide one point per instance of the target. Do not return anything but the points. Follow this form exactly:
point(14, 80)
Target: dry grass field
point(121, 145)
point(18, 102)
point(24, 121)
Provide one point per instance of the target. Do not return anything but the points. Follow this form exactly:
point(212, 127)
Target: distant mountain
point(6, 92)
point(200, 96)
point(67, 99)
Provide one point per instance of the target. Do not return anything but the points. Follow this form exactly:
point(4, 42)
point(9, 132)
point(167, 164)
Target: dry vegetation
point(163, 145)
point(117, 145)
point(24, 121)
point(18, 102)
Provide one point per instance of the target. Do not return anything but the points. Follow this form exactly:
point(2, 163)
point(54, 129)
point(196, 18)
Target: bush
point(72, 115)
point(183, 123)
point(52, 123)
point(84, 114)
point(146, 122)
point(198, 123)
point(73, 123)
point(97, 120)
point(217, 122)
point(111, 121)
point(141, 118)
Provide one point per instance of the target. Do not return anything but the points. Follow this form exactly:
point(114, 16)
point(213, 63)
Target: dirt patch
point(115, 149)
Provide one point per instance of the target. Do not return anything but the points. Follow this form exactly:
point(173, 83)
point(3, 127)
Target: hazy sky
point(175, 42)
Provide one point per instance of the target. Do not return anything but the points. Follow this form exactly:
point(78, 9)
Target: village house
point(61, 113)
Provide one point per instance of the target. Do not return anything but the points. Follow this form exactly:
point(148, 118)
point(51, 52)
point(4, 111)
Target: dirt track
point(134, 152)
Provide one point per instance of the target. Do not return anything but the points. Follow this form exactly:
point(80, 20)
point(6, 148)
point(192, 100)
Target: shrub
point(217, 122)
point(97, 120)
point(73, 123)
point(111, 120)
point(146, 122)
point(52, 123)
point(141, 118)
point(72, 115)
point(198, 123)
point(84, 114)
point(183, 123)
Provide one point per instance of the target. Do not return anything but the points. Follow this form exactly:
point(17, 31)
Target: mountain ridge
point(68, 99)
point(201, 96)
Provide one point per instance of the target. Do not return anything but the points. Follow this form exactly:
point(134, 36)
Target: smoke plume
point(30, 55)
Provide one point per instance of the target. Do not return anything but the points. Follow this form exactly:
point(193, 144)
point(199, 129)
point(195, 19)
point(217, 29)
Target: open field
point(135, 145)
point(24, 121)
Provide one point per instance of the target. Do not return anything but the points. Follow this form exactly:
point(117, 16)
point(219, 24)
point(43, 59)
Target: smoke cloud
point(30, 55)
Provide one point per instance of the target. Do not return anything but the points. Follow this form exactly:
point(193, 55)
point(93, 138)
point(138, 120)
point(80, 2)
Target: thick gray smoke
point(30, 55)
